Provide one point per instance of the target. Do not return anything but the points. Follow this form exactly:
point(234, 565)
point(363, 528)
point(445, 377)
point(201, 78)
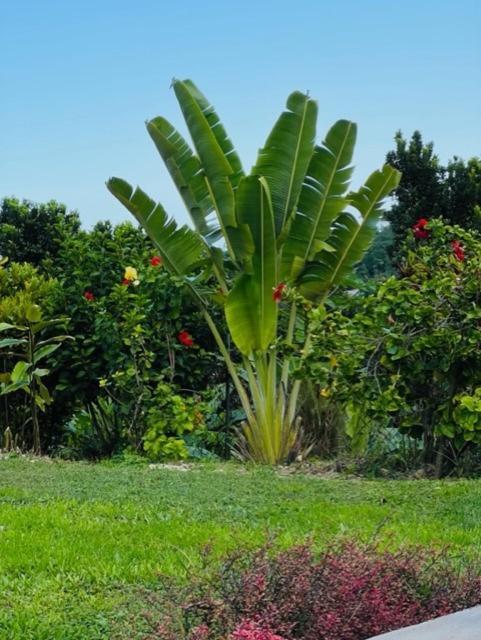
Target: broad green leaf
point(242, 314)
point(350, 236)
point(15, 386)
point(218, 131)
point(40, 402)
point(40, 326)
point(44, 351)
point(186, 172)
point(5, 326)
point(55, 339)
point(217, 168)
point(11, 342)
point(180, 247)
point(212, 157)
point(19, 375)
point(242, 242)
point(40, 373)
point(44, 393)
point(285, 157)
point(250, 308)
point(322, 198)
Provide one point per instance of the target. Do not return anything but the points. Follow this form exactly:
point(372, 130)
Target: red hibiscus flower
point(458, 250)
point(419, 229)
point(278, 291)
point(156, 261)
point(185, 338)
point(89, 296)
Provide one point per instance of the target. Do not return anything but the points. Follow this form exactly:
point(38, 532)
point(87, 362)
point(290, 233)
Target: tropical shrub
point(134, 325)
point(28, 345)
point(347, 593)
point(94, 433)
point(27, 342)
point(129, 333)
point(21, 285)
point(408, 354)
point(168, 420)
point(283, 227)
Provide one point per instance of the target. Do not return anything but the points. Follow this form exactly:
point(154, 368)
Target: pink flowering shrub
point(346, 593)
point(249, 630)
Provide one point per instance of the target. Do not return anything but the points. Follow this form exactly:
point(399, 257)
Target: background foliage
point(403, 335)
point(126, 356)
point(428, 188)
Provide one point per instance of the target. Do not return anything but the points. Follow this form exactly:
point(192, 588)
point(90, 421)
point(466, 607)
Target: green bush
point(168, 421)
point(128, 331)
point(21, 285)
point(409, 353)
point(28, 340)
point(93, 433)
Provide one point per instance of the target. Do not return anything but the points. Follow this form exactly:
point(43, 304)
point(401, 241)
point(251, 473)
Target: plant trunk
point(35, 426)
point(271, 427)
point(273, 432)
point(33, 393)
point(439, 464)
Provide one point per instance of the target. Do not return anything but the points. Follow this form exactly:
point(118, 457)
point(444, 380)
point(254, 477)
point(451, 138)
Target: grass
point(79, 541)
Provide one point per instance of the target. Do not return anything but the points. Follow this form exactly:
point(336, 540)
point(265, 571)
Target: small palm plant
point(283, 227)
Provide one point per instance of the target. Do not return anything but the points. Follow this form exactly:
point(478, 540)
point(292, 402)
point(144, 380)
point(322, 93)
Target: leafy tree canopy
point(428, 189)
point(32, 232)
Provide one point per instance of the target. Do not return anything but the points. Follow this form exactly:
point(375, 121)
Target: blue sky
point(79, 79)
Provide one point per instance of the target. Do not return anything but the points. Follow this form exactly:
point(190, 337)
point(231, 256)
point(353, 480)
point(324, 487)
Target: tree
point(285, 236)
point(420, 192)
point(428, 189)
point(32, 232)
point(377, 261)
point(462, 193)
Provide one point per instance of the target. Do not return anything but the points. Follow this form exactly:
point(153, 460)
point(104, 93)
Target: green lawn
point(78, 541)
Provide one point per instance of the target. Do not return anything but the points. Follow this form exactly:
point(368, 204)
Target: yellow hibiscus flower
point(131, 274)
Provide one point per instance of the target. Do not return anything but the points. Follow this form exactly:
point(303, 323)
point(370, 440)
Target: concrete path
point(465, 625)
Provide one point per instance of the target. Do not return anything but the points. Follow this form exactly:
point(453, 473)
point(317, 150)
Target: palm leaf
point(322, 198)
point(350, 237)
point(186, 172)
point(216, 166)
point(241, 312)
point(219, 132)
point(284, 159)
point(251, 311)
point(180, 247)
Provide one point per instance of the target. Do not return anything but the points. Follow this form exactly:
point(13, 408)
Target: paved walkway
point(465, 625)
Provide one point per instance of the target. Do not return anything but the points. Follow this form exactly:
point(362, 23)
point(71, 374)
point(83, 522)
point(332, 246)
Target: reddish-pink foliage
point(249, 630)
point(350, 593)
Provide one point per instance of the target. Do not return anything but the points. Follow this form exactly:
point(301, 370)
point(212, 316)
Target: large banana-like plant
point(291, 224)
